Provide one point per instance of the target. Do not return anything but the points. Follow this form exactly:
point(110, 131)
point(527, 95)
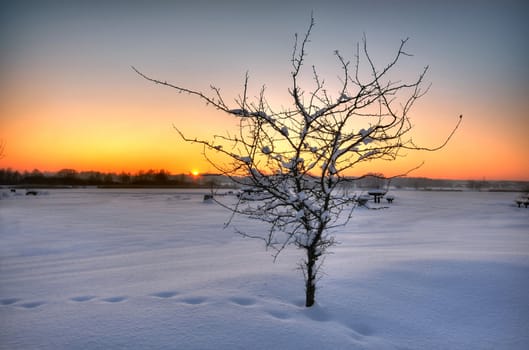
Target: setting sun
point(195, 172)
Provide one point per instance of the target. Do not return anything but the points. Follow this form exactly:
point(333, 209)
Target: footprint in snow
point(32, 304)
point(243, 301)
point(114, 299)
point(8, 301)
point(82, 298)
point(165, 295)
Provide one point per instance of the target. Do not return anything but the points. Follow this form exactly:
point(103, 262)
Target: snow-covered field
point(154, 269)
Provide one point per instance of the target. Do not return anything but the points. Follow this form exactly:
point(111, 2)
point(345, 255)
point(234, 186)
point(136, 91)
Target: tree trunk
point(310, 278)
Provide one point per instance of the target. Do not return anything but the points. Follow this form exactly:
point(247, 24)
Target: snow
point(238, 111)
point(364, 132)
point(247, 160)
point(266, 150)
point(153, 269)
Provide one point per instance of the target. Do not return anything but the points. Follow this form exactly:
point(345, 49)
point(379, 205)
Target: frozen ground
point(153, 269)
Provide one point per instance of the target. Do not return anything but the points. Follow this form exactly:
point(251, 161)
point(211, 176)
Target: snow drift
point(154, 269)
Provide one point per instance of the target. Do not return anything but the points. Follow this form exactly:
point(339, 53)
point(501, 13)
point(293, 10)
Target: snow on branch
point(297, 157)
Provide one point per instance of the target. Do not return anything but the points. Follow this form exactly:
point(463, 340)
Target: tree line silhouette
point(163, 178)
point(71, 177)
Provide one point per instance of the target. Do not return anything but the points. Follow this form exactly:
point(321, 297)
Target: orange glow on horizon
point(134, 131)
point(106, 144)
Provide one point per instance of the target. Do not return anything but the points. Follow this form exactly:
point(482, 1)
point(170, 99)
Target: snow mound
point(154, 269)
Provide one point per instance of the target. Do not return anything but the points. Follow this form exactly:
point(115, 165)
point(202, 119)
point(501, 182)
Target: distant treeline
point(163, 178)
point(71, 177)
point(427, 184)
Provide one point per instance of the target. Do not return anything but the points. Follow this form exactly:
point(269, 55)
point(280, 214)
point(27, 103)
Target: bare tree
point(298, 156)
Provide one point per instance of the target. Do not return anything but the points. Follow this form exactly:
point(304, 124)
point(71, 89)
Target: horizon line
point(205, 173)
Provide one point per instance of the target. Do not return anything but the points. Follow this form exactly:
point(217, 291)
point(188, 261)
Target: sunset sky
point(69, 98)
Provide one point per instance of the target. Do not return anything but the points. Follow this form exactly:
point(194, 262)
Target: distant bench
point(522, 201)
point(377, 195)
point(362, 200)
